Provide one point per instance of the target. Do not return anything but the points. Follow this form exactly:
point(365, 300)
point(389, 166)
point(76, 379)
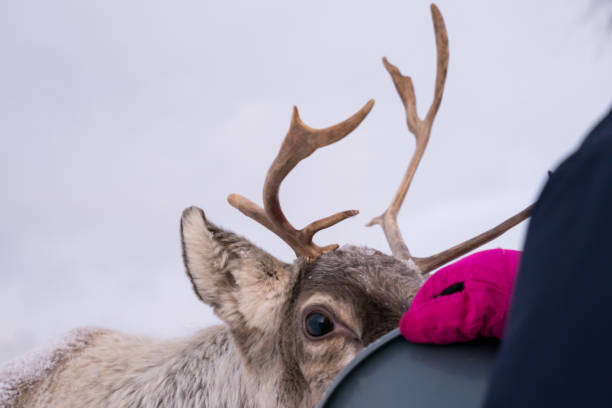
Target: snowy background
point(115, 115)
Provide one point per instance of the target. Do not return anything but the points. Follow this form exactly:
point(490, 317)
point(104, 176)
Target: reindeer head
point(307, 320)
point(302, 321)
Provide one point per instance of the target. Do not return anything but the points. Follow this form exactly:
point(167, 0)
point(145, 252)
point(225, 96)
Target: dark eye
point(317, 324)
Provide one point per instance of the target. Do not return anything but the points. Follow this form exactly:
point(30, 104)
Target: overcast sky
point(116, 115)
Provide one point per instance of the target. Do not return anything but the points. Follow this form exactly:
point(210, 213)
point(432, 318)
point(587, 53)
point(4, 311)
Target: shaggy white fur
point(22, 373)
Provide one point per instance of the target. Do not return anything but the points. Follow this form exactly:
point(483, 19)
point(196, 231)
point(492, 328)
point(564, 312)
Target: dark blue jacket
point(557, 348)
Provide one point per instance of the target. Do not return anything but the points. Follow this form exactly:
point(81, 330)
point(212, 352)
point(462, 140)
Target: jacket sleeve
point(557, 349)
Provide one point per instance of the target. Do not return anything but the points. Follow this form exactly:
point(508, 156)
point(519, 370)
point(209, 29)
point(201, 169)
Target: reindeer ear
point(242, 283)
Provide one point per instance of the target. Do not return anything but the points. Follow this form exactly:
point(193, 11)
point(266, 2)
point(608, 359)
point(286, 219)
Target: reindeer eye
point(317, 324)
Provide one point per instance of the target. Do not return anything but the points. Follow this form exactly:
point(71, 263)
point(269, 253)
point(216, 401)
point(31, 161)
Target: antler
point(301, 141)
point(421, 128)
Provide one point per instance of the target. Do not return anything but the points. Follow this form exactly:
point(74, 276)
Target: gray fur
point(261, 357)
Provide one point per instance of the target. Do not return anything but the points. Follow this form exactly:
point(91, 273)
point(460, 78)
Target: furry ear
point(245, 285)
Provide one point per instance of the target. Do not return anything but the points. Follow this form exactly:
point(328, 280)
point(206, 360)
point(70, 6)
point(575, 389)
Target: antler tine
point(430, 263)
point(301, 141)
point(420, 128)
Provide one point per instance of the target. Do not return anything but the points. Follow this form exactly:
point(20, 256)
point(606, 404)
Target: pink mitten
point(464, 300)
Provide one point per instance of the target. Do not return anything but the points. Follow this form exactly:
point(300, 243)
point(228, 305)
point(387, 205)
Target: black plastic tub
point(392, 372)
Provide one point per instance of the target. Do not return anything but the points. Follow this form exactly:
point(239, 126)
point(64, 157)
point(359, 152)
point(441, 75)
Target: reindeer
point(289, 328)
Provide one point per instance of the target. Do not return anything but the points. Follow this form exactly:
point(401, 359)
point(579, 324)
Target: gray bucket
point(392, 372)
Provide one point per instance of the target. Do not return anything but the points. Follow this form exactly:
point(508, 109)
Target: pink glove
point(464, 300)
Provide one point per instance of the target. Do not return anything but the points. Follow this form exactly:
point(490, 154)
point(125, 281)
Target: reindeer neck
point(206, 369)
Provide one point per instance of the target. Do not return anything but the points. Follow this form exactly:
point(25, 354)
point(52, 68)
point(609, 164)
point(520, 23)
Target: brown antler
point(301, 141)
point(421, 130)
